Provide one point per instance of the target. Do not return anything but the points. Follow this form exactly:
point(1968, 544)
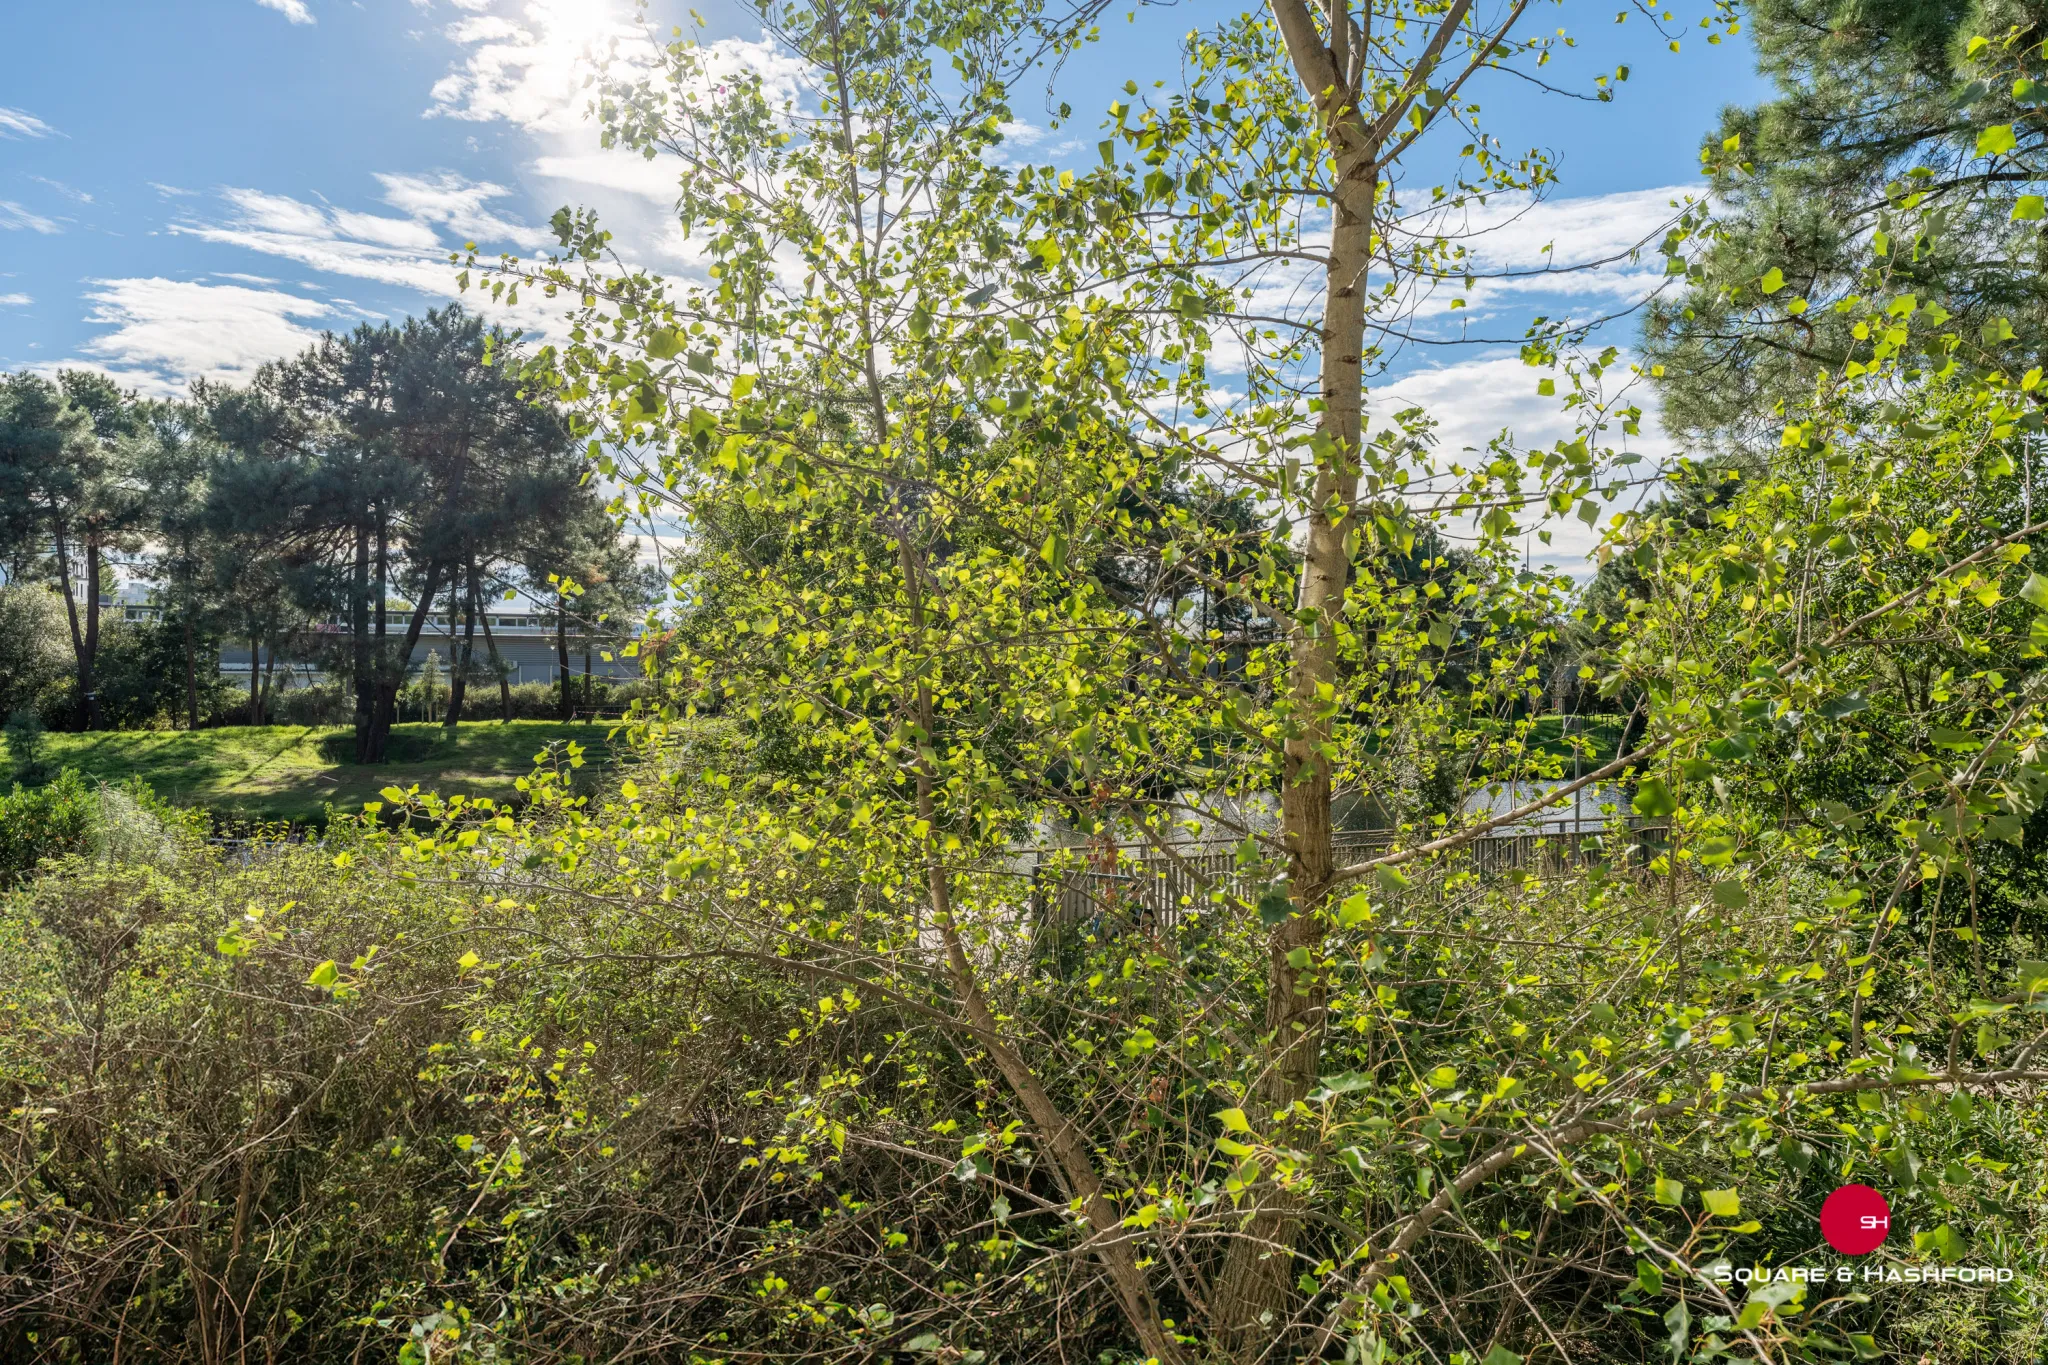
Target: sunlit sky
point(190, 189)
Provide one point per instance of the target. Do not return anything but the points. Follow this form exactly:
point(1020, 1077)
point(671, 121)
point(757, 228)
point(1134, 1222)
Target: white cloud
point(294, 10)
point(21, 123)
point(658, 179)
point(169, 332)
point(456, 204)
point(1588, 265)
point(15, 300)
point(14, 217)
point(67, 191)
point(1473, 400)
point(408, 251)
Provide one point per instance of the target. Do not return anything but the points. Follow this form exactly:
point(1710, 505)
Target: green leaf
point(1054, 552)
point(1679, 1320)
point(1731, 895)
point(1996, 140)
point(324, 976)
point(393, 795)
point(1234, 1121)
point(2035, 593)
point(1275, 905)
point(1501, 1355)
point(1840, 708)
point(2030, 208)
point(662, 343)
point(1722, 1203)
point(1232, 1147)
point(467, 961)
point(1653, 800)
point(1671, 1192)
point(1773, 280)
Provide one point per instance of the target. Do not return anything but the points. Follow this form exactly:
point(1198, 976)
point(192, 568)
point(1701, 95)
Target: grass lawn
point(291, 773)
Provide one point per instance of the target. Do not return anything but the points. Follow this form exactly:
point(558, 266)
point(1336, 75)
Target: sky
point(191, 189)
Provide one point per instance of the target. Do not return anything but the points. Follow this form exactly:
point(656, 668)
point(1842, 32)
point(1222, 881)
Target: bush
point(140, 670)
point(530, 701)
point(45, 822)
point(24, 735)
point(328, 703)
point(34, 648)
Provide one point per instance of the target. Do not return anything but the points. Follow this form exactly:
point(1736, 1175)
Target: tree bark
point(392, 677)
point(359, 629)
point(562, 651)
point(1254, 1287)
point(255, 679)
point(269, 671)
point(88, 679)
point(458, 687)
point(491, 645)
point(70, 595)
point(191, 676)
point(1058, 1134)
point(81, 654)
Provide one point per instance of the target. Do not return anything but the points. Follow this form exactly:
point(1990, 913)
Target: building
point(525, 639)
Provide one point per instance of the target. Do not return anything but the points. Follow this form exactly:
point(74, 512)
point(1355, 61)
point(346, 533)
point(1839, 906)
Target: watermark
point(1855, 1220)
point(1723, 1273)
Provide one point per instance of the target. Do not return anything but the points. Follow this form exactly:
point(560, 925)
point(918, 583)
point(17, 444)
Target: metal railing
point(1138, 883)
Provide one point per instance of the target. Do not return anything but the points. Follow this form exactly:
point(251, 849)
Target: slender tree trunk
point(1062, 1139)
point(1255, 1285)
point(70, 596)
point(459, 686)
point(491, 644)
point(81, 653)
point(359, 629)
point(88, 679)
point(382, 691)
point(392, 677)
point(255, 679)
point(269, 671)
point(562, 651)
point(191, 676)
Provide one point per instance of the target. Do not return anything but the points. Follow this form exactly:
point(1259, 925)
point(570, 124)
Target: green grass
point(1602, 731)
point(287, 772)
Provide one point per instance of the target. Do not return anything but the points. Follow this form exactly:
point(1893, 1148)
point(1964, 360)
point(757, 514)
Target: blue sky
point(192, 188)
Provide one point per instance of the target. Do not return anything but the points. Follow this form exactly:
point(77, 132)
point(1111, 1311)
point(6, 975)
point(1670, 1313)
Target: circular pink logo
point(1855, 1219)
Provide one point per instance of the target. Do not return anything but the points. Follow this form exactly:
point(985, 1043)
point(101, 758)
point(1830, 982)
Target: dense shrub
point(539, 1121)
point(326, 703)
point(35, 650)
point(45, 822)
point(72, 816)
